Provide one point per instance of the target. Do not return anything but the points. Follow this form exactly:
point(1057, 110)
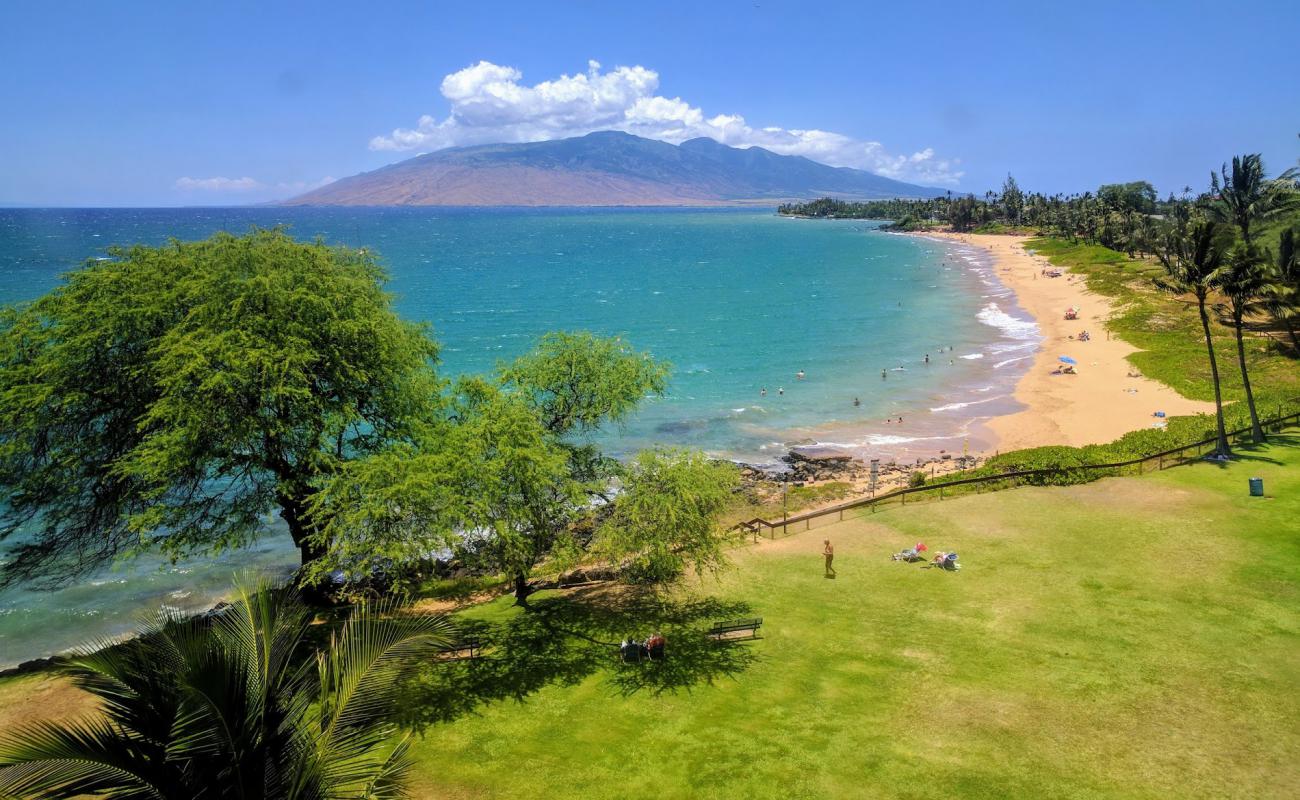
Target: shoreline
point(1107, 398)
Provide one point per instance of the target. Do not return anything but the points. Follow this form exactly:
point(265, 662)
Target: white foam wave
point(972, 356)
point(1003, 363)
point(956, 406)
point(1010, 326)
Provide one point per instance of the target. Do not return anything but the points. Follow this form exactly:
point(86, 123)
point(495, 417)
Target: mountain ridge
point(605, 168)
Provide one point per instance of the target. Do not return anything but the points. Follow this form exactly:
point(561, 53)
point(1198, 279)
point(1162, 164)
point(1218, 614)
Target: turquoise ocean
point(737, 300)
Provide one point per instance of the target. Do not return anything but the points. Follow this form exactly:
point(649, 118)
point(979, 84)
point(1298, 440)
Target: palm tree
point(1244, 281)
point(1191, 253)
point(1283, 302)
point(1245, 197)
point(233, 707)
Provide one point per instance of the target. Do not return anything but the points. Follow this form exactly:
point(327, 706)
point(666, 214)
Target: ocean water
point(737, 300)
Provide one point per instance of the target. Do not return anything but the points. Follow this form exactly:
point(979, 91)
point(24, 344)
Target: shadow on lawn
point(563, 640)
point(1247, 451)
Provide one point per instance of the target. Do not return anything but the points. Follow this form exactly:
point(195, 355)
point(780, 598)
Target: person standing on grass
point(829, 552)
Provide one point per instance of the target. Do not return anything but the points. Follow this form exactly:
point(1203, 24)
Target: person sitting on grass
point(945, 561)
point(655, 646)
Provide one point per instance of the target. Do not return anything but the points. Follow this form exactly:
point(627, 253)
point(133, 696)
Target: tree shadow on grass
point(565, 639)
point(1250, 452)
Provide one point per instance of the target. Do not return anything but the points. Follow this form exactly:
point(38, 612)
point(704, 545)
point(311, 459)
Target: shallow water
point(738, 301)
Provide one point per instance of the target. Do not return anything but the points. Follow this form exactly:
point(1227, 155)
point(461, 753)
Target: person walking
point(829, 552)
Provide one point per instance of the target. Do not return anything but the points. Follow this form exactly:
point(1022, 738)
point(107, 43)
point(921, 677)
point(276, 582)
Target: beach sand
point(1101, 402)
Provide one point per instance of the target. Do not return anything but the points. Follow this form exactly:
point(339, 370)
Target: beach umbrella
point(1068, 360)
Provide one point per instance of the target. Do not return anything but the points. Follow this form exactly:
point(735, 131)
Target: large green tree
point(504, 483)
point(170, 397)
point(665, 518)
point(238, 706)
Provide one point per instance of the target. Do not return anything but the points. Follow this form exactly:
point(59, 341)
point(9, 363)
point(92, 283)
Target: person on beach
point(829, 552)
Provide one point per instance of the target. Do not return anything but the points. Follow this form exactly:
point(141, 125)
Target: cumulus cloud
point(217, 184)
point(491, 103)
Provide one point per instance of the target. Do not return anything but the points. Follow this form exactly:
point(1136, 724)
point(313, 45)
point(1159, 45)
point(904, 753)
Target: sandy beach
point(1100, 403)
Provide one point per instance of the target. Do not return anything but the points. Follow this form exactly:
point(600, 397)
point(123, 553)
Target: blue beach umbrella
point(1068, 360)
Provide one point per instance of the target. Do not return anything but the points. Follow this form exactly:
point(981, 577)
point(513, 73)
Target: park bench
point(725, 630)
point(469, 647)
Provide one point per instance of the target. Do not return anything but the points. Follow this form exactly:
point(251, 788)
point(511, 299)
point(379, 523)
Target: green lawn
point(1134, 637)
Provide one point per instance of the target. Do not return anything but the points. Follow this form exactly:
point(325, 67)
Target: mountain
point(607, 168)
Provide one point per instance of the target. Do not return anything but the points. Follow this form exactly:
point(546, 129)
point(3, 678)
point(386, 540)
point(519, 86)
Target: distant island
point(607, 168)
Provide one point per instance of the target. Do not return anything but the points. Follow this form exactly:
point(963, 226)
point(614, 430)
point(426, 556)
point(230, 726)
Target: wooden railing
point(1165, 458)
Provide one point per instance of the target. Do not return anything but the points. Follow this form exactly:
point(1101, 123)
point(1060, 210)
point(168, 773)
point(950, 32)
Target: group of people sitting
point(652, 648)
point(941, 560)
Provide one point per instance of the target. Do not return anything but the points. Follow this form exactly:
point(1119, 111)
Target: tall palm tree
point(1283, 302)
point(1191, 251)
point(1245, 281)
point(1244, 196)
point(233, 707)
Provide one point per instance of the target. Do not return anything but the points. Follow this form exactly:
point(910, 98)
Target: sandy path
point(1099, 404)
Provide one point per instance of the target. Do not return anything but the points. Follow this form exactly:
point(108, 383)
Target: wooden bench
point(725, 630)
point(469, 647)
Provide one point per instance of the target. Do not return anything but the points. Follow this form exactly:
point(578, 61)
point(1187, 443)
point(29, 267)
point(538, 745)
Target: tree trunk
point(522, 590)
point(1295, 339)
point(1220, 432)
point(1256, 432)
point(293, 511)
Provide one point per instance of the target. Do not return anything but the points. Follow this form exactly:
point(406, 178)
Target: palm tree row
point(234, 706)
point(1209, 246)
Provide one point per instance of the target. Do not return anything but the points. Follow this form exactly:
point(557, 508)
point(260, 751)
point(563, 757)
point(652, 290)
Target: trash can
point(1256, 487)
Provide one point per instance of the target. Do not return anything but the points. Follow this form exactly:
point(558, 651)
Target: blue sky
point(210, 103)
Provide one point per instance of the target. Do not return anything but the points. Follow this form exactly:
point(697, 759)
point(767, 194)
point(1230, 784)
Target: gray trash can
point(1256, 487)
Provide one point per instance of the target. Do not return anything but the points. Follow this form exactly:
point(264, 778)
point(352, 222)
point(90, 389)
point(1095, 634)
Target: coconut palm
point(1283, 300)
point(1245, 281)
point(1191, 251)
point(234, 706)
point(1244, 196)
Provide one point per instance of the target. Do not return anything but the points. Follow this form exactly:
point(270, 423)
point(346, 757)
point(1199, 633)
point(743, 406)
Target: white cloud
point(490, 103)
point(217, 184)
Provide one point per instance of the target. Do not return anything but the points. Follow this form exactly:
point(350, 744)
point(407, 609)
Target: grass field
point(1135, 637)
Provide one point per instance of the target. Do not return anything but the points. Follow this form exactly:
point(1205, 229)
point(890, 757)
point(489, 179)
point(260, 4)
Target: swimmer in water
point(927, 358)
point(780, 390)
point(856, 402)
point(799, 375)
point(762, 392)
point(883, 374)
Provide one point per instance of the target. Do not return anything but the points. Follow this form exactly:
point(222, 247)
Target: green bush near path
point(1133, 637)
